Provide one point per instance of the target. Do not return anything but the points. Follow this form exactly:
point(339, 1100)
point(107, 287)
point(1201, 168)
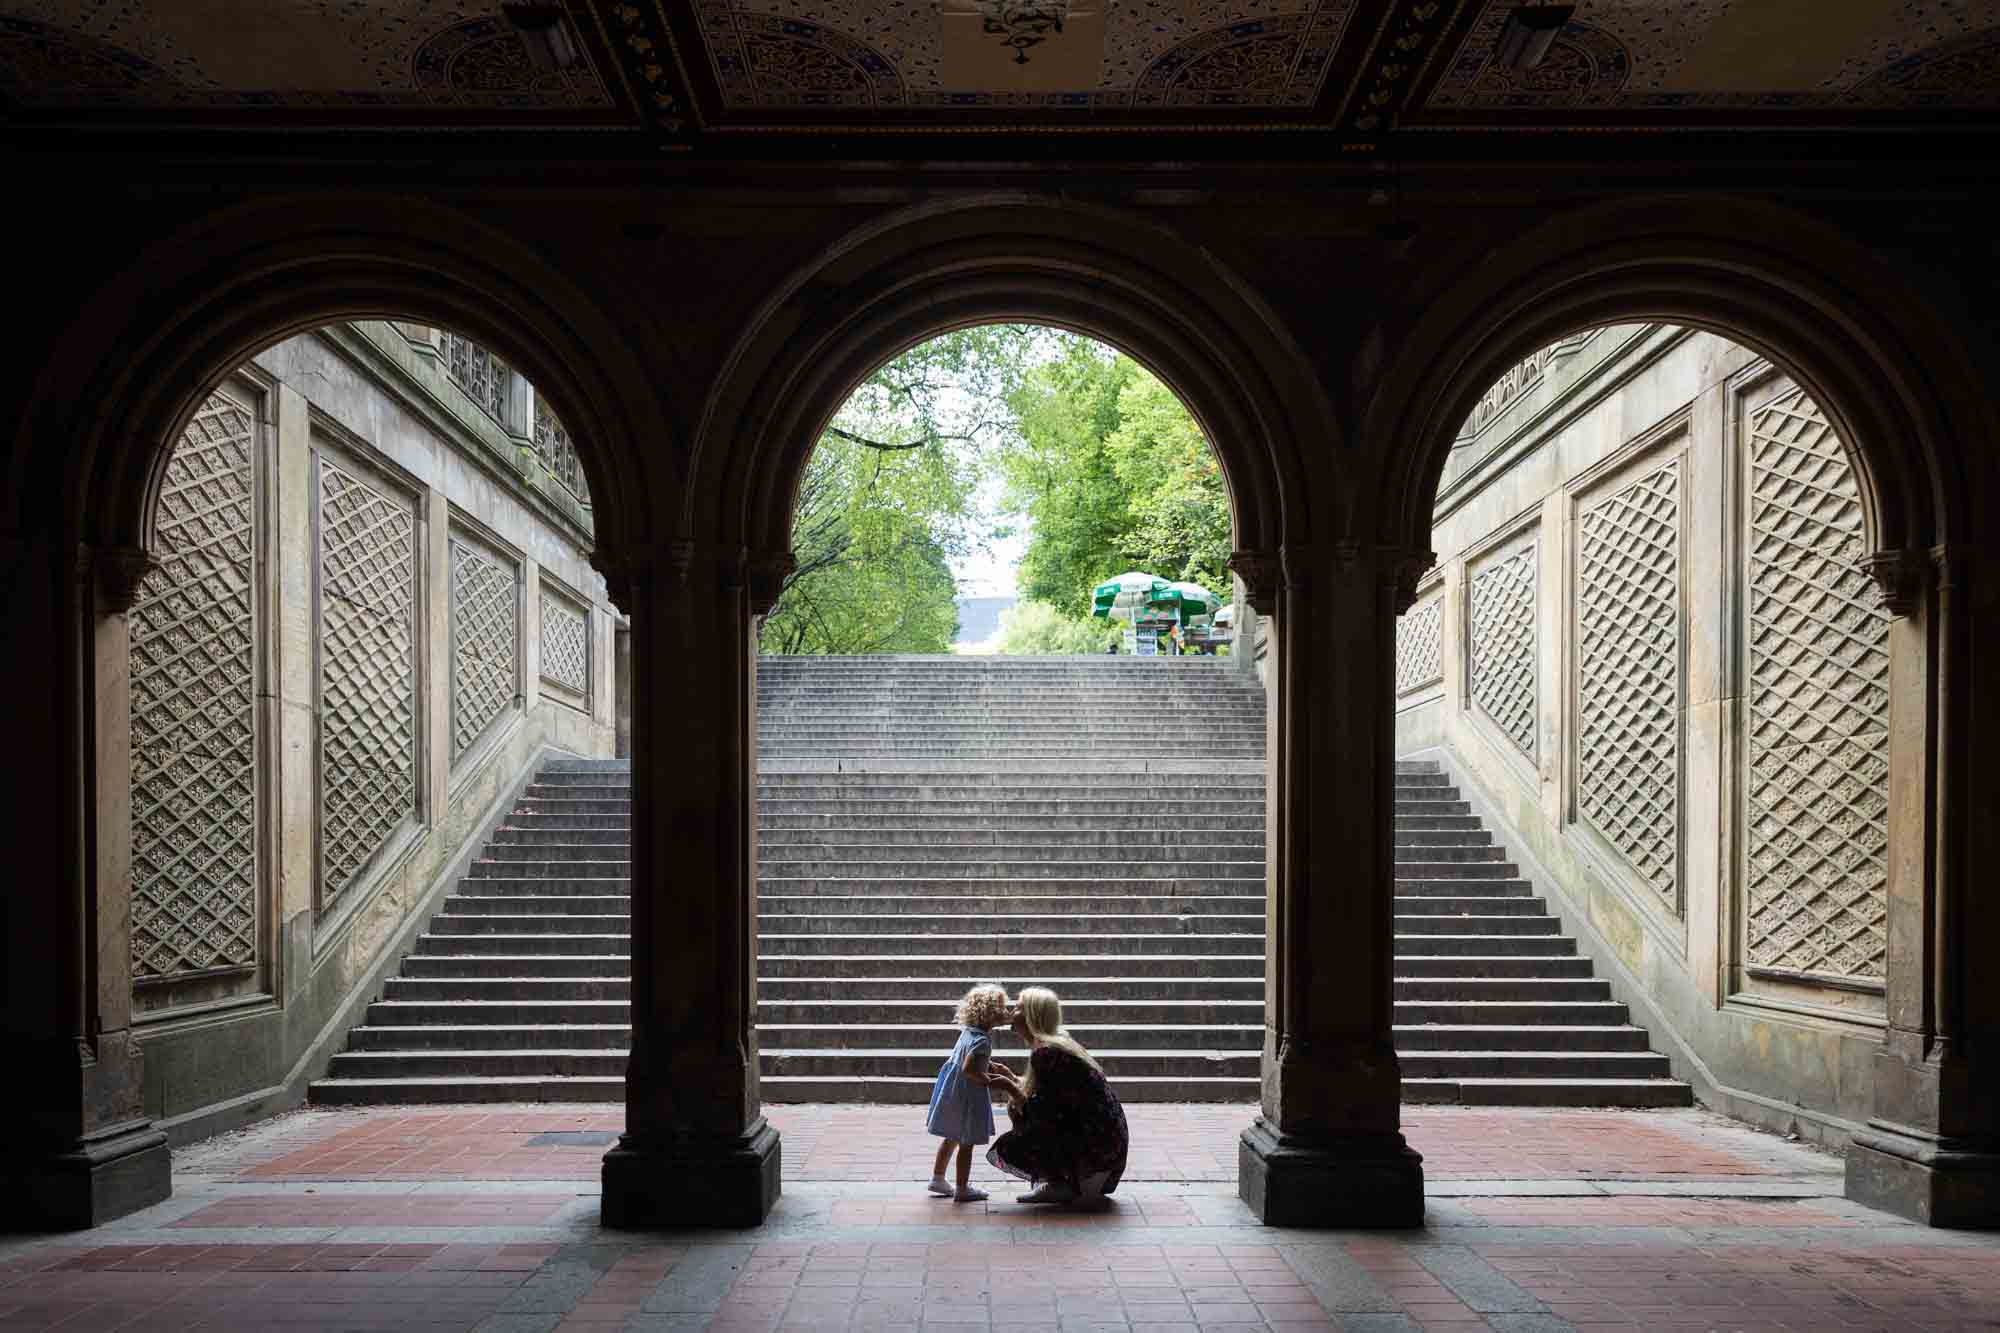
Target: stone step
point(1496, 887)
point(1413, 946)
point(979, 885)
point(921, 823)
point(1024, 865)
point(1535, 1013)
point(961, 968)
point(449, 923)
point(943, 992)
point(781, 1089)
point(1137, 775)
point(971, 805)
point(1109, 925)
point(1440, 1037)
point(1098, 839)
point(515, 944)
point(1575, 1091)
point(1414, 837)
point(1118, 1065)
point(535, 818)
point(1453, 856)
point(1461, 924)
point(1406, 806)
point(596, 906)
point(773, 907)
point(773, 943)
point(1501, 965)
point(1440, 868)
point(519, 832)
point(605, 1062)
point(517, 886)
point(463, 1088)
point(501, 966)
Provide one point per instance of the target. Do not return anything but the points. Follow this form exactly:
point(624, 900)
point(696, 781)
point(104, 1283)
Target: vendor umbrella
point(1121, 598)
point(1189, 601)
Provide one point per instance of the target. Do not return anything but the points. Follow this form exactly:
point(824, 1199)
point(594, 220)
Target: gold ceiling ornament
point(1021, 24)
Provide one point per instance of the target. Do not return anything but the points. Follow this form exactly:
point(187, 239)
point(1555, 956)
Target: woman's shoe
point(1050, 1192)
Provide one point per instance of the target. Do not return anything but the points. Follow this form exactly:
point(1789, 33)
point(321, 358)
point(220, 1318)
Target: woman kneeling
point(1069, 1137)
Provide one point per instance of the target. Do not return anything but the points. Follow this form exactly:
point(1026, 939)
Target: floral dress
point(1072, 1127)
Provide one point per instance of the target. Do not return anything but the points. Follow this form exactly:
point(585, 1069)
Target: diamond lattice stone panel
point(1503, 644)
point(1628, 674)
point(565, 645)
point(1817, 789)
point(484, 636)
point(367, 556)
point(1417, 641)
point(194, 746)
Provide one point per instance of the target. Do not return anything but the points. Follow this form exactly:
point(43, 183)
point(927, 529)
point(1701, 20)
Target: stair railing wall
point(360, 631)
point(1652, 644)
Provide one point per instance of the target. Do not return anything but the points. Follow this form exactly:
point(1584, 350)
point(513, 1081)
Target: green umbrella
point(1188, 601)
point(1121, 597)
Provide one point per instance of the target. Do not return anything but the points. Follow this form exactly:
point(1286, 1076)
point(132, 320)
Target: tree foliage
point(1097, 458)
point(1110, 473)
point(1029, 628)
point(888, 500)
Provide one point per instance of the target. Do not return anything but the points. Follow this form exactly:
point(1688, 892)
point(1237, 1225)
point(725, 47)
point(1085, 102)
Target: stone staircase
point(1095, 824)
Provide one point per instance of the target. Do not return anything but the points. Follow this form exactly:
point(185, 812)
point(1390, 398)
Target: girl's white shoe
point(939, 1187)
point(1050, 1192)
point(970, 1194)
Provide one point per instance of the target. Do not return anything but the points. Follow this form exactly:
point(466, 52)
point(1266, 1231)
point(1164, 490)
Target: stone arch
point(1804, 296)
point(192, 309)
point(930, 270)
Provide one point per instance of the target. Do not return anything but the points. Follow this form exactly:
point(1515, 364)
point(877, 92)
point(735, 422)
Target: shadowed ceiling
point(695, 69)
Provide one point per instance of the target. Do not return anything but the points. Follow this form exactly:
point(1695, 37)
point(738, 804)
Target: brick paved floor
point(474, 1218)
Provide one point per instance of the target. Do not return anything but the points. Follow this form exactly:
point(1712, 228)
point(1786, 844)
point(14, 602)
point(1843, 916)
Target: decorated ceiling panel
point(1756, 55)
point(684, 68)
point(387, 55)
point(964, 54)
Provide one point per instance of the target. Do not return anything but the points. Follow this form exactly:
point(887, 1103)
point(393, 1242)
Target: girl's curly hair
point(984, 1006)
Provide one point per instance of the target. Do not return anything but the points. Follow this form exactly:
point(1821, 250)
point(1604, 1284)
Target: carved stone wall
point(565, 645)
point(194, 744)
point(1817, 750)
point(367, 677)
point(1501, 653)
point(485, 641)
point(1419, 636)
point(1628, 674)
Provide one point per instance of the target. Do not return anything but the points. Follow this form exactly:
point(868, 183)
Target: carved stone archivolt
point(1628, 674)
point(193, 706)
point(367, 678)
point(1501, 651)
point(1817, 783)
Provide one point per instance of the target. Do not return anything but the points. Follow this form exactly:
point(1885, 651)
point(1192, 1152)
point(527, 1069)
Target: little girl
point(961, 1107)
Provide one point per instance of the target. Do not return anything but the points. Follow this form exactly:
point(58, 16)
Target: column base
point(93, 1181)
point(655, 1184)
point(1939, 1182)
point(1374, 1180)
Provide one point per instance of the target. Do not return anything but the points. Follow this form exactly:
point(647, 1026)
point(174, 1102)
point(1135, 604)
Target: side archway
point(1894, 367)
point(89, 452)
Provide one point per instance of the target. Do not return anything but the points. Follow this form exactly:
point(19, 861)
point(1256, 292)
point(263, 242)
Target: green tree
point(1111, 473)
point(1028, 628)
point(889, 499)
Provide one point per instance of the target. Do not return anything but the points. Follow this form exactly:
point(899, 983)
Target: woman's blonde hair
point(984, 1006)
point(1041, 1014)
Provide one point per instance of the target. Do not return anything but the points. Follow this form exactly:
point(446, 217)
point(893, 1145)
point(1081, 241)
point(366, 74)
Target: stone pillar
point(696, 1150)
point(1931, 1151)
point(1327, 1149)
point(78, 1149)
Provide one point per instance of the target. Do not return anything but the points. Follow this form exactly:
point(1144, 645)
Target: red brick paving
point(1619, 1259)
point(1169, 1143)
point(351, 1210)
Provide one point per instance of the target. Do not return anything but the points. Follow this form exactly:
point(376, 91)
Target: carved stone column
point(696, 1149)
point(1931, 1150)
point(1327, 1149)
point(78, 1149)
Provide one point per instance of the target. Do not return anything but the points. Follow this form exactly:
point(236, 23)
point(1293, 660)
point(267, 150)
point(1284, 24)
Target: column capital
point(117, 572)
point(765, 573)
point(1902, 577)
point(628, 569)
point(1260, 572)
point(1401, 570)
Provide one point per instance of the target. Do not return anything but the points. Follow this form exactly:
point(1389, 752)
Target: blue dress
point(962, 1110)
